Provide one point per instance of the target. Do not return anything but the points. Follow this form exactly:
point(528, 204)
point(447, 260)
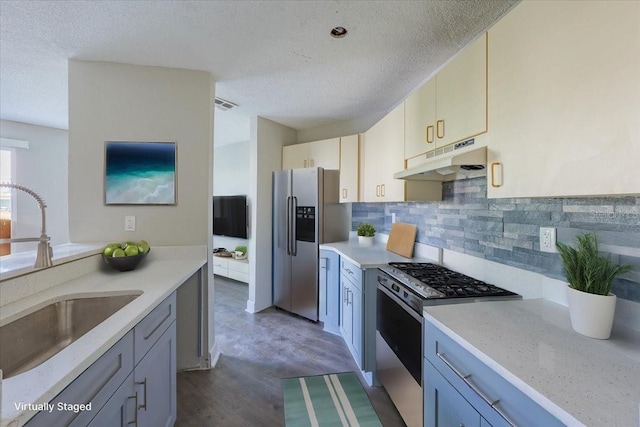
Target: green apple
point(118, 253)
point(143, 246)
point(131, 250)
point(108, 251)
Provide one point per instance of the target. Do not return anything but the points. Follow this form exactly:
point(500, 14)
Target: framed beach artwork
point(140, 173)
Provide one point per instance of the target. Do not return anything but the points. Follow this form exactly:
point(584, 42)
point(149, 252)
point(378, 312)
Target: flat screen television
point(230, 216)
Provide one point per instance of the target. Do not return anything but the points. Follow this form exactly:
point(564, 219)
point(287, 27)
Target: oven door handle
point(401, 303)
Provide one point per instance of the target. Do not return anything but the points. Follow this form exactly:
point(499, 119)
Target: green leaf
point(586, 269)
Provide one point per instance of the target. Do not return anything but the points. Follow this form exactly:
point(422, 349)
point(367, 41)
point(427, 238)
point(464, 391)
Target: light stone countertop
point(155, 280)
point(530, 343)
point(374, 256)
point(21, 263)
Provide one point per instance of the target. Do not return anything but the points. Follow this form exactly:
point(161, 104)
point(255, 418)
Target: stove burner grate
point(450, 283)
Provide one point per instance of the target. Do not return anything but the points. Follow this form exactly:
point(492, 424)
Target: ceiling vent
point(224, 105)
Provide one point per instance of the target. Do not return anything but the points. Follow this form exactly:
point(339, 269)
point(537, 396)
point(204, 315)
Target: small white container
point(591, 314)
point(365, 241)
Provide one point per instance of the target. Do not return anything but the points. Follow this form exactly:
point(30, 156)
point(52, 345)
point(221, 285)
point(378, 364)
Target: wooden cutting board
point(402, 238)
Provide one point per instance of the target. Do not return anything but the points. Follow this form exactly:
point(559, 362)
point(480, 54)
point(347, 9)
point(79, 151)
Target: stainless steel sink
point(30, 340)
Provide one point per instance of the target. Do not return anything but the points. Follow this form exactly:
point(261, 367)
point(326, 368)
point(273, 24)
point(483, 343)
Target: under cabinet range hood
point(458, 161)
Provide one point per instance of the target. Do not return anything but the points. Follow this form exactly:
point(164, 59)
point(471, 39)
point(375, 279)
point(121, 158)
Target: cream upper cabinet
point(324, 154)
point(295, 156)
point(450, 107)
point(420, 120)
point(462, 95)
point(383, 155)
point(349, 168)
point(564, 97)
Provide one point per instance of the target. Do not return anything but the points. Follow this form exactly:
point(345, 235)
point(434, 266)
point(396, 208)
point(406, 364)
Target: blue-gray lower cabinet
point(453, 377)
point(121, 410)
point(348, 307)
point(155, 378)
point(446, 406)
point(133, 383)
point(148, 397)
point(96, 385)
point(351, 318)
point(330, 291)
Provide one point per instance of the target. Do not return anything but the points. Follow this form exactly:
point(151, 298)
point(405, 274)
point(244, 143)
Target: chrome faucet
point(45, 253)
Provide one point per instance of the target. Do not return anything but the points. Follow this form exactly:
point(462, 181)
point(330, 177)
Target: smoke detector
point(224, 105)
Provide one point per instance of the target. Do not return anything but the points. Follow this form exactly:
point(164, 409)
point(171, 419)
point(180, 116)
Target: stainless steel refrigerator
point(306, 213)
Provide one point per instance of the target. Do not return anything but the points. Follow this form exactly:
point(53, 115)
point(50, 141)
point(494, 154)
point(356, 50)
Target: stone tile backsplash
point(507, 230)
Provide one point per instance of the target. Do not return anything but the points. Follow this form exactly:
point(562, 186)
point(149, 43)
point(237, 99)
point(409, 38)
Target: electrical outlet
point(548, 239)
point(393, 217)
point(130, 223)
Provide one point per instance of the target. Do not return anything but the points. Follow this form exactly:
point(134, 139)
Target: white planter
point(591, 315)
point(365, 240)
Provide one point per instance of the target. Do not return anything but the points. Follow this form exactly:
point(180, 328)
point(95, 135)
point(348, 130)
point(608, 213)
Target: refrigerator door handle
point(288, 221)
point(294, 218)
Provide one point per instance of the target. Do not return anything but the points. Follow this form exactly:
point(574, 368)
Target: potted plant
point(240, 252)
point(365, 232)
point(591, 304)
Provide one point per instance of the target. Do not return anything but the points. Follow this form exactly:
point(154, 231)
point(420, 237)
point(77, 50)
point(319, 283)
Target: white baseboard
point(214, 354)
point(251, 306)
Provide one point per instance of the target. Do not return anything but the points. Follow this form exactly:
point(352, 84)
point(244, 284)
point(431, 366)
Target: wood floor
point(257, 350)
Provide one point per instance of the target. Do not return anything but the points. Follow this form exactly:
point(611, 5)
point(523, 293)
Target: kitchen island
point(164, 271)
point(530, 345)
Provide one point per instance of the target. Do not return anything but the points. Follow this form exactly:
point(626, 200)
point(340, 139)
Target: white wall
point(231, 177)
point(119, 102)
point(43, 168)
point(267, 140)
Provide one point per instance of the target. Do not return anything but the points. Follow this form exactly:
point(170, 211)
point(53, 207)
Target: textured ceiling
point(272, 58)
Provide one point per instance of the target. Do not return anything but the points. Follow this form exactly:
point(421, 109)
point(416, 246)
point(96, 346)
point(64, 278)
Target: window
point(6, 198)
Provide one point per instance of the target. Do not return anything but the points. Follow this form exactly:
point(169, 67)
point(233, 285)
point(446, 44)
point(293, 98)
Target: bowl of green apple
point(125, 256)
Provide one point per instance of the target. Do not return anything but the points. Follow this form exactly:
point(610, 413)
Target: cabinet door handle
point(311, 162)
point(377, 190)
point(440, 128)
point(496, 174)
point(344, 294)
point(349, 293)
point(472, 386)
point(304, 163)
point(344, 193)
point(382, 190)
point(144, 384)
point(429, 134)
point(135, 412)
point(160, 323)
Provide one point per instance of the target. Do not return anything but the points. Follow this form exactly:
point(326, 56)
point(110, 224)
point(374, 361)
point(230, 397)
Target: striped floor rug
point(327, 400)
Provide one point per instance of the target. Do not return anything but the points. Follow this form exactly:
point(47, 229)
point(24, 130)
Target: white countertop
point(21, 263)
point(155, 280)
point(532, 345)
point(373, 256)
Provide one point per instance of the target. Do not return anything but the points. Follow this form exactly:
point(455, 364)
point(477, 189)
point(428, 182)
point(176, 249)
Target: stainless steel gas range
point(403, 290)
